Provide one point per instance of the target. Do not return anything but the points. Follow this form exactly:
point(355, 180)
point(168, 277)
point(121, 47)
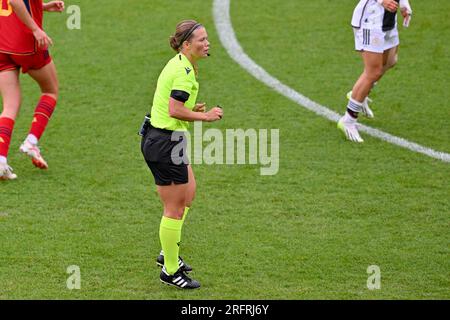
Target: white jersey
point(370, 14)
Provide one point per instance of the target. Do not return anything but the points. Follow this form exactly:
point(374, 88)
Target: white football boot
point(6, 172)
point(348, 126)
point(34, 153)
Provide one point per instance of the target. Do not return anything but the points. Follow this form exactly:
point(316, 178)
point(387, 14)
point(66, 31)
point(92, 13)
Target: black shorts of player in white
point(167, 166)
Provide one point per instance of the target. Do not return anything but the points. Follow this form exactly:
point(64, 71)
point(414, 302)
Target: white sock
point(354, 105)
point(348, 118)
point(32, 139)
point(3, 160)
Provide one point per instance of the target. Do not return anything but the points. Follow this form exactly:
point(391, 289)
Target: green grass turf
point(309, 232)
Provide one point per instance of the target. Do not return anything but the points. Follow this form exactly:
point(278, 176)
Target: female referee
point(174, 106)
point(376, 37)
point(24, 45)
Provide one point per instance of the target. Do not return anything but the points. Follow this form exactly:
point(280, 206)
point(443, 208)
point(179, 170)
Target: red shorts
point(34, 61)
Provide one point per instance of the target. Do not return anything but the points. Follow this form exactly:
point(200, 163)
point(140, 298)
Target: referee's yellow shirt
point(178, 74)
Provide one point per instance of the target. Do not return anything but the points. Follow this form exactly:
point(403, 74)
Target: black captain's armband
point(179, 95)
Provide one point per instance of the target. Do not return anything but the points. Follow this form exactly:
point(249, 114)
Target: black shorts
point(167, 164)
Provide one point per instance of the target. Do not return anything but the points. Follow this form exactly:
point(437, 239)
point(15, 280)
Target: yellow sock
point(170, 235)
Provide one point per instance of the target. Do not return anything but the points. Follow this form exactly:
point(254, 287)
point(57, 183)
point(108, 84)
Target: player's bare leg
point(11, 97)
point(373, 71)
point(390, 58)
point(47, 79)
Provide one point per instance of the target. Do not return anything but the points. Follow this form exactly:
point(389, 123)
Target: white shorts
point(375, 40)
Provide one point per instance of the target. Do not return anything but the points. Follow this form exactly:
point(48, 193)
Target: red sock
point(42, 114)
point(6, 128)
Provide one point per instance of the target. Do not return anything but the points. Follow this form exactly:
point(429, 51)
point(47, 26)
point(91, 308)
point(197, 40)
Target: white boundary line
point(221, 11)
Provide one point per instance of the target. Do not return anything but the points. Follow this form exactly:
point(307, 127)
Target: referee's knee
point(174, 213)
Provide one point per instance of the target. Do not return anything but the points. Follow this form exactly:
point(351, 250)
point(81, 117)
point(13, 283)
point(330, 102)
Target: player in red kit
point(24, 45)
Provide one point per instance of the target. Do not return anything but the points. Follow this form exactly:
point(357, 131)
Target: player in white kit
point(374, 24)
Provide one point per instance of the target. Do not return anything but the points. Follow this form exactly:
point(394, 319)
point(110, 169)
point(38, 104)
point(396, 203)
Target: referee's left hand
point(199, 107)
